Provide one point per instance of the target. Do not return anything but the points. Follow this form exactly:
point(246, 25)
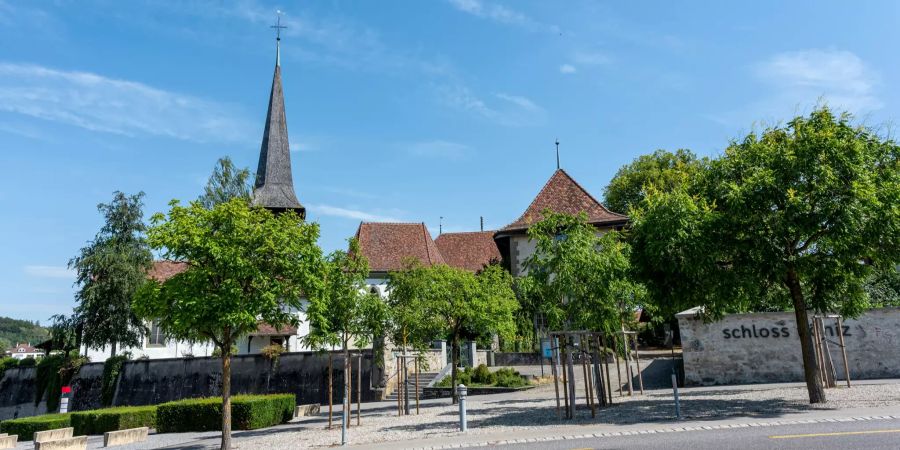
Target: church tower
point(274, 187)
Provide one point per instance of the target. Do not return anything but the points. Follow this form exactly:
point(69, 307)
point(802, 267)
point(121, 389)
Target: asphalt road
point(869, 435)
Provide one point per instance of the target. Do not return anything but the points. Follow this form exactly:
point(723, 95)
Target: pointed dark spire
point(274, 187)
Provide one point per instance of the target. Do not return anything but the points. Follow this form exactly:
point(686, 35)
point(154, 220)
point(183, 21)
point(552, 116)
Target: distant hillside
point(13, 330)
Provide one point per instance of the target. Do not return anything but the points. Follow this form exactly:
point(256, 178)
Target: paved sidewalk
point(461, 440)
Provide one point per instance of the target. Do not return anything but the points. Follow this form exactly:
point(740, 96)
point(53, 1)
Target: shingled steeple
point(274, 188)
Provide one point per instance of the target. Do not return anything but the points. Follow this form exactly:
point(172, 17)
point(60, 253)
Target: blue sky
point(397, 110)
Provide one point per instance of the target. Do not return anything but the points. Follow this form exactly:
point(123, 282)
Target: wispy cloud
point(49, 272)
point(94, 102)
point(438, 149)
point(501, 14)
point(797, 81)
point(505, 109)
point(838, 76)
point(567, 69)
point(347, 213)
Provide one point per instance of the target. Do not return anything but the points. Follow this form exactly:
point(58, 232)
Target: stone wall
point(147, 382)
point(764, 347)
point(17, 394)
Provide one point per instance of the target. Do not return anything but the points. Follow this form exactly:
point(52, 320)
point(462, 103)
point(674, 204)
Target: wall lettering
point(751, 332)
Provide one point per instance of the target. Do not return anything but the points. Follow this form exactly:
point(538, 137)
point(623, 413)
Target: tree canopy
point(226, 182)
point(578, 278)
point(442, 301)
point(245, 265)
point(795, 217)
point(346, 311)
point(661, 170)
point(109, 270)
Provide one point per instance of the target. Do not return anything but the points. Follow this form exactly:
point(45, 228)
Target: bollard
point(461, 393)
point(675, 389)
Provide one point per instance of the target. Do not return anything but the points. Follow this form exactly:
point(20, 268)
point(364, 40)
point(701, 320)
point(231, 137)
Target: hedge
point(27, 426)
point(100, 421)
point(248, 412)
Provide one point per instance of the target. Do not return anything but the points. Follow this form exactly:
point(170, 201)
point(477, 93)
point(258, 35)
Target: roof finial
point(278, 27)
point(557, 154)
point(441, 226)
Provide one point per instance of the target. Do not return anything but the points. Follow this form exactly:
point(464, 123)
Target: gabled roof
point(163, 270)
point(388, 245)
point(274, 187)
point(470, 250)
point(564, 195)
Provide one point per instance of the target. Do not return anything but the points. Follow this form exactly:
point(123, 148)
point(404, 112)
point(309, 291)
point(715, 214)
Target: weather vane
point(557, 154)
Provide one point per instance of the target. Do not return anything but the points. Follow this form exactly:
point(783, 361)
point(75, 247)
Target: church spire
point(274, 188)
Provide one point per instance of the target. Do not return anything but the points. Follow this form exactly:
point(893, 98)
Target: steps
point(424, 380)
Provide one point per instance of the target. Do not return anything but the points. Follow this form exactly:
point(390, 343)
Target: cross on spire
point(278, 27)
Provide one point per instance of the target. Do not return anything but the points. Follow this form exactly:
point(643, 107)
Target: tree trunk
point(112, 352)
point(226, 397)
point(811, 369)
point(454, 350)
point(345, 409)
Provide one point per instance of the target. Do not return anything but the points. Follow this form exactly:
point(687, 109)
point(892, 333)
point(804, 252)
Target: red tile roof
point(564, 195)
point(264, 329)
point(163, 270)
point(470, 251)
point(388, 245)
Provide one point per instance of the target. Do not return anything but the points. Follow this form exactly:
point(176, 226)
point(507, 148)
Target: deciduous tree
point(795, 216)
point(245, 265)
point(662, 170)
point(226, 182)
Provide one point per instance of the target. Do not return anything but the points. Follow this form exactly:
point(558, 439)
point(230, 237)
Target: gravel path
point(537, 408)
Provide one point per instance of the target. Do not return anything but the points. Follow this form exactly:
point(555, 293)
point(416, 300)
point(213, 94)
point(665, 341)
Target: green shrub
point(482, 375)
point(248, 412)
point(507, 377)
point(7, 363)
point(100, 421)
point(27, 426)
point(111, 369)
point(27, 362)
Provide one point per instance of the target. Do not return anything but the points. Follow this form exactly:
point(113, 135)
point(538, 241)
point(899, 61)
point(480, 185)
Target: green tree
point(795, 216)
point(459, 304)
point(579, 279)
point(409, 323)
point(346, 312)
point(883, 287)
point(109, 270)
point(245, 265)
point(661, 169)
point(226, 182)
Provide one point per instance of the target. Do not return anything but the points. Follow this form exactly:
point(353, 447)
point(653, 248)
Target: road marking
point(843, 433)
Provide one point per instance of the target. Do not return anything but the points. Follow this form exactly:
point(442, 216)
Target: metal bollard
point(461, 393)
point(677, 403)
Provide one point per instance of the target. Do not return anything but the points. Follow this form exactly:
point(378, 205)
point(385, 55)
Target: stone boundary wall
point(765, 348)
point(154, 381)
point(518, 359)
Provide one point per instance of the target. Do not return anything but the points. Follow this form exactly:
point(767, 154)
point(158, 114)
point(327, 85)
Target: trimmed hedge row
point(100, 421)
point(27, 426)
point(248, 412)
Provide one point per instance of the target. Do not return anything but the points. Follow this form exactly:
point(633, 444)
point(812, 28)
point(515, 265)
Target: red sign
point(67, 389)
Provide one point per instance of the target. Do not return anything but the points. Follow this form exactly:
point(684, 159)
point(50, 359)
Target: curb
point(655, 431)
